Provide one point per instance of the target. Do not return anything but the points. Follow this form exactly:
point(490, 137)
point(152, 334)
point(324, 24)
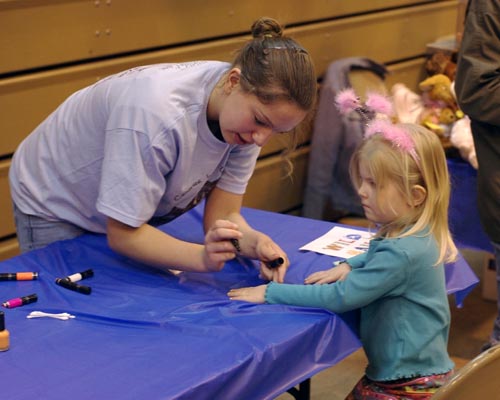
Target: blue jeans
point(35, 232)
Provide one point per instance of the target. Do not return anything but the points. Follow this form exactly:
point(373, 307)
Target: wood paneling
point(270, 189)
point(8, 248)
point(36, 33)
point(7, 226)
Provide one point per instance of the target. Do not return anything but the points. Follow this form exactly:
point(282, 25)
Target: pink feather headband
point(347, 101)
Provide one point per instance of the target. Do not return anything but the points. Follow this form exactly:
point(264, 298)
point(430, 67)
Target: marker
point(18, 276)
point(79, 276)
point(73, 286)
point(20, 301)
point(236, 244)
point(275, 263)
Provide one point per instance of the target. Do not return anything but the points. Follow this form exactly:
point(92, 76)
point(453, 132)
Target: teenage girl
point(401, 176)
point(141, 147)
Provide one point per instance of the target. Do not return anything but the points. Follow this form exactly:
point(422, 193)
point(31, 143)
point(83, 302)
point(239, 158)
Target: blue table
point(463, 211)
point(143, 334)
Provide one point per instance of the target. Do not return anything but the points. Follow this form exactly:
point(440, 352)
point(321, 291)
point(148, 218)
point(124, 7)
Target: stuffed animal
point(432, 120)
point(437, 88)
point(447, 116)
point(441, 109)
point(410, 108)
point(441, 63)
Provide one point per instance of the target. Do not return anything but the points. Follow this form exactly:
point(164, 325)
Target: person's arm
point(477, 82)
point(384, 275)
point(222, 205)
point(151, 246)
point(337, 273)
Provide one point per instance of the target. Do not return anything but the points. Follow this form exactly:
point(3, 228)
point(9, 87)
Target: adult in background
point(477, 87)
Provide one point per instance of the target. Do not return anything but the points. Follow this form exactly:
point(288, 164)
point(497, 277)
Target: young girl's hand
point(256, 294)
point(337, 273)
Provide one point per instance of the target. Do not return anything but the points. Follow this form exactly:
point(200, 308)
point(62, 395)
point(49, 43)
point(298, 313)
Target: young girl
point(401, 176)
point(141, 147)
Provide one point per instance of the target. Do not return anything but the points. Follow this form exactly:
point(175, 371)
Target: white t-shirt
point(134, 146)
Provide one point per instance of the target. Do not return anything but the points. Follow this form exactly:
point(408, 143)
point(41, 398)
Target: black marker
point(236, 244)
point(73, 286)
point(275, 263)
point(80, 275)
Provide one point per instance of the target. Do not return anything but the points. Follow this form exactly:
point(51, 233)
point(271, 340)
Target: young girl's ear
point(419, 195)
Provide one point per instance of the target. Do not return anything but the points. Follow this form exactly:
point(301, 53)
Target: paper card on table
point(340, 242)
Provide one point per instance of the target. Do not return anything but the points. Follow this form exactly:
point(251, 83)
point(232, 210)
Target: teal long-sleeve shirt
point(405, 315)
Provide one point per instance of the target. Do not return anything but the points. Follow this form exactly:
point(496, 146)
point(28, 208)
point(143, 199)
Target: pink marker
point(20, 301)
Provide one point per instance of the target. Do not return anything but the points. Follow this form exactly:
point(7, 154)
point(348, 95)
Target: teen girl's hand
point(256, 294)
point(252, 244)
point(273, 260)
point(218, 247)
point(337, 273)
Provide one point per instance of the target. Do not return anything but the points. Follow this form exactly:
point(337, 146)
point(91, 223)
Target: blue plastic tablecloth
point(144, 334)
point(463, 211)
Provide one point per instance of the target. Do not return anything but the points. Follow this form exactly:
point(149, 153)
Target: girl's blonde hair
point(426, 167)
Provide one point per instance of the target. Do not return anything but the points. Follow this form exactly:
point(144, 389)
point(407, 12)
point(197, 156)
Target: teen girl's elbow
point(116, 233)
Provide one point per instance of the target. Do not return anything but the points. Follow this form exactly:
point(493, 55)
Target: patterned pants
point(421, 388)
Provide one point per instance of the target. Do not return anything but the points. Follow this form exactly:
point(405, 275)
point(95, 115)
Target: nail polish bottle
point(4, 333)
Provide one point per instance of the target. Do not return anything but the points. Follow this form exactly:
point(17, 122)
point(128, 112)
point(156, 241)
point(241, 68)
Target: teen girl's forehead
point(281, 115)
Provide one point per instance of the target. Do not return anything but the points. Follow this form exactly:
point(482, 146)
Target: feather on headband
point(347, 101)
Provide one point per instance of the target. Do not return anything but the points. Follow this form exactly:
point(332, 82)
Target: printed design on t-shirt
point(176, 212)
point(165, 66)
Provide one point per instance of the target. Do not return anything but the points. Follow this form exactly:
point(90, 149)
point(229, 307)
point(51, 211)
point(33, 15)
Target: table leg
point(303, 392)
